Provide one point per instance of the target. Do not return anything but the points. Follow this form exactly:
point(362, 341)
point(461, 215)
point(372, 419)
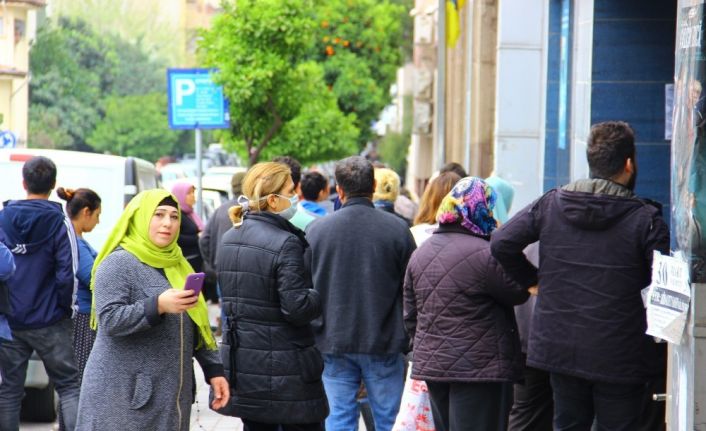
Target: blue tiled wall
point(556, 158)
point(633, 59)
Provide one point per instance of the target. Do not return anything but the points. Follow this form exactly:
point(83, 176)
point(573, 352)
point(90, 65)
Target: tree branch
point(274, 128)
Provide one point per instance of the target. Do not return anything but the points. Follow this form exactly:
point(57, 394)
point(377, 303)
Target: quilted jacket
point(458, 310)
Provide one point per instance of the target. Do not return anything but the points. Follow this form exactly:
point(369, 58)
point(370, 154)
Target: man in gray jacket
point(358, 258)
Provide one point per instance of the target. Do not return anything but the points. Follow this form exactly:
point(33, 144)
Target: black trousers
point(615, 406)
point(533, 406)
point(467, 406)
point(259, 426)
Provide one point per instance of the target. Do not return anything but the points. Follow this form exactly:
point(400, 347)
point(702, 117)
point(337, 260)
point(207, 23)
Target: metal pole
point(199, 173)
point(441, 84)
point(469, 83)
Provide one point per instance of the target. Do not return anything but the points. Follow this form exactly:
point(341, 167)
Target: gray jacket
point(139, 374)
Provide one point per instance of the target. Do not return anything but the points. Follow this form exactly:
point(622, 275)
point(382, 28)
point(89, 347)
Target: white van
point(116, 180)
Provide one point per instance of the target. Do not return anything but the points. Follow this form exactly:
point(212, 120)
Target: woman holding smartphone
point(273, 368)
point(139, 373)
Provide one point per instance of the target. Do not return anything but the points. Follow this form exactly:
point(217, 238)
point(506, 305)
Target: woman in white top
point(425, 222)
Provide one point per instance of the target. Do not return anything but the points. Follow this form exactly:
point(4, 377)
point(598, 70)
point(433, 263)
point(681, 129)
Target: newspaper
point(668, 298)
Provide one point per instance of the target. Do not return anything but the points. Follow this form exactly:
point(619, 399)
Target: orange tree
point(361, 44)
point(279, 101)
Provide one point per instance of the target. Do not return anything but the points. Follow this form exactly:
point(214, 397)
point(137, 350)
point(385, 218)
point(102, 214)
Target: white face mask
point(289, 212)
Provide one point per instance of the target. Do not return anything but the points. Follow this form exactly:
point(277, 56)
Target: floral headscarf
point(470, 202)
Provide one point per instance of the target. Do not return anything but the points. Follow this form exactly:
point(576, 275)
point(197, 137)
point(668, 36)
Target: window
point(19, 30)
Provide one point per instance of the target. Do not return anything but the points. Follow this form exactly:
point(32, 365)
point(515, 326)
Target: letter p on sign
point(184, 87)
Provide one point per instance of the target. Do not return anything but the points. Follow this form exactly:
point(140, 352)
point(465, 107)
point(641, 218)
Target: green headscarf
point(132, 233)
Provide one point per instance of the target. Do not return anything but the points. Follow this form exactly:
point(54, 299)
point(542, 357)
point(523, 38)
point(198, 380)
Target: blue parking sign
point(195, 102)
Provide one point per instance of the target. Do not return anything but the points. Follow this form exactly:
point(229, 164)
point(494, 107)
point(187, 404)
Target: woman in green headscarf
point(139, 373)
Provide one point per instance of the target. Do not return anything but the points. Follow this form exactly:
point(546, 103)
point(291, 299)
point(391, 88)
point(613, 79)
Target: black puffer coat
point(268, 349)
point(188, 241)
point(458, 311)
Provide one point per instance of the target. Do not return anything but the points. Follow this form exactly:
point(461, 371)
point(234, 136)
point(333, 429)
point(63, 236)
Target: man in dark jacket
point(596, 243)
point(358, 259)
point(219, 224)
point(42, 292)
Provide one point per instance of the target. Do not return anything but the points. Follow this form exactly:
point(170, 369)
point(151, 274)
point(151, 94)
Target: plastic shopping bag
point(415, 409)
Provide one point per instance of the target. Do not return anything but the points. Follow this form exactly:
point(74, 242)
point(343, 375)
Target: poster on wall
point(668, 298)
point(689, 142)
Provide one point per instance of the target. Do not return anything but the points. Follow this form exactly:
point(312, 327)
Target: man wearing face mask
point(596, 243)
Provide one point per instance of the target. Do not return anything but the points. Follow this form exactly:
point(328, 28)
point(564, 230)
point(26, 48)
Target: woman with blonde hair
point(271, 362)
point(387, 190)
point(425, 222)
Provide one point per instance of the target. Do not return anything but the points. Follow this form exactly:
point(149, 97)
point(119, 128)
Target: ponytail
point(78, 199)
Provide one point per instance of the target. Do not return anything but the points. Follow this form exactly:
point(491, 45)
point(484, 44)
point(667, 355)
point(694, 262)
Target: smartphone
point(194, 282)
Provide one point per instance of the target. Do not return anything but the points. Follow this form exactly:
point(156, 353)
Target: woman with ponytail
point(83, 206)
point(268, 350)
point(139, 373)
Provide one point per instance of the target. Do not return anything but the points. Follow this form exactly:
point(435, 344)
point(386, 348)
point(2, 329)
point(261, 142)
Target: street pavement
point(202, 418)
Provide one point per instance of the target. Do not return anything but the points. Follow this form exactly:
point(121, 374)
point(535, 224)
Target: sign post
point(195, 102)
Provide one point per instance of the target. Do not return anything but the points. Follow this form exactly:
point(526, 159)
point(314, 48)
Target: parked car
point(116, 180)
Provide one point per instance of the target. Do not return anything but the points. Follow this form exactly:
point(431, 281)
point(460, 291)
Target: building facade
point(17, 29)
point(526, 79)
point(548, 70)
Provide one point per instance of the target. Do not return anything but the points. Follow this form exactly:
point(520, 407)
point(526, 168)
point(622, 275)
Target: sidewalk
point(202, 417)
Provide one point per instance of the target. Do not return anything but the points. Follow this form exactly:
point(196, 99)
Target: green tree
point(46, 130)
point(135, 126)
point(279, 101)
point(74, 70)
point(361, 44)
point(62, 87)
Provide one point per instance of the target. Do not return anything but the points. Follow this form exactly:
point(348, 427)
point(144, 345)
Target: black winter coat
point(458, 311)
point(268, 349)
point(188, 241)
point(217, 226)
point(595, 253)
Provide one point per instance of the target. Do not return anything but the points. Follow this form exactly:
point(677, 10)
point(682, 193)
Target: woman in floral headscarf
point(458, 311)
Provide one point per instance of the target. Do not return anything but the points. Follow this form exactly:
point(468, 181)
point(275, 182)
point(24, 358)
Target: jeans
point(53, 345)
point(533, 407)
point(383, 376)
point(615, 406)
point(468, 406)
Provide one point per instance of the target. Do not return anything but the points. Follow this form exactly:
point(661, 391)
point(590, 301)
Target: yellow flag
point(453, 21)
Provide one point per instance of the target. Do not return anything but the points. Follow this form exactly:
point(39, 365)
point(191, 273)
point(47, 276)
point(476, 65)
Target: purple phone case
point(195, 282)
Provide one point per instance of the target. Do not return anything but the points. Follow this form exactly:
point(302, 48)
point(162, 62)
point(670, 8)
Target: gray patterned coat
point(139, 373)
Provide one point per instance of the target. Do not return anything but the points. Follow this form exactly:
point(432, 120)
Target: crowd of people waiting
point(533, 322)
